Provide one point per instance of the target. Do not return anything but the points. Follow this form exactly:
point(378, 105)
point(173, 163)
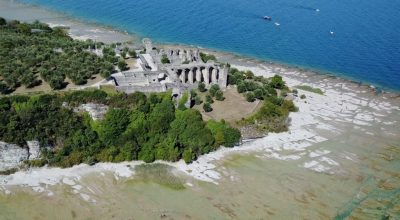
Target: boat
point(277, 24)
point(317, 10)
point(332, 33)
point(267, 18)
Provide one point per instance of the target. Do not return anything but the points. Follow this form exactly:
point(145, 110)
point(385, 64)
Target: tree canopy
point(135, 127)
point(32, 52)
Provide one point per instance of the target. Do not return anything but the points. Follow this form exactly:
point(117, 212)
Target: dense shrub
point(145, 128)
point(223, 133)
point(207, 107)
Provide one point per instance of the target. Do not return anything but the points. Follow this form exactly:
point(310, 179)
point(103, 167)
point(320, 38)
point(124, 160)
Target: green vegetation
point(303, 96)
point(184, 99)
point(206, 57)
point(164, 59)
point(135, 127)
point(310, 89)
point(215, 92)
point(197, 100)
point(273, 115)
point(202, 87)
point(209, 99)
point(207, 107)
point(122, 66)
point(219, 95)
point(196, 97)
point(34, 52)
point(132, 53)
point(223, 133)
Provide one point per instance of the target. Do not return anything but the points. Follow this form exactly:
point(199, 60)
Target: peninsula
point(148, 105)
point(111, 130)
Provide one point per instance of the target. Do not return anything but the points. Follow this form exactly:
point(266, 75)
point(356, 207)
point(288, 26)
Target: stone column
point(176, 74)
point(181, 54)
point(191, 76)
point(223, 77)
point(183, 76)
point(206, 76)
point(214, 76)
point(189, 56)
point(198, 75)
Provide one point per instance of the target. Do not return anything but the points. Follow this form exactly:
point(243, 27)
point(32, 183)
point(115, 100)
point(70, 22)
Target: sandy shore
point(77, 29)
point(320, 118)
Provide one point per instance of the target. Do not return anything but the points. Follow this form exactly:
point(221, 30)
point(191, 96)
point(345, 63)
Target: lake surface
point(364, 47)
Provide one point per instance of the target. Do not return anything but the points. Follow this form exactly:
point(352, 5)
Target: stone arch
point(210, 74)
point(186, 75)
point(194, 70)
point(179, 73)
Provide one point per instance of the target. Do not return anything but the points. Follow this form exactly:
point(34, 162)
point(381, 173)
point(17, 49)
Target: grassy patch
point(160, 174)
point(310, 89)
point(109, 89)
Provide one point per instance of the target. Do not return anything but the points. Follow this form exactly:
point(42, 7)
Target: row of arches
point(208, 75)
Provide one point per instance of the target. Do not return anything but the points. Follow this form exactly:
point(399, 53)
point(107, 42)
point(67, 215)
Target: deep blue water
point(365, 46)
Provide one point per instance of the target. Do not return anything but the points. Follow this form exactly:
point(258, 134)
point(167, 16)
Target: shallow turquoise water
point(365, 46)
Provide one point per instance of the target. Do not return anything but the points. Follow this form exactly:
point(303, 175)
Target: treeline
point(30, 51)
point(136, 127)
point(273, 115)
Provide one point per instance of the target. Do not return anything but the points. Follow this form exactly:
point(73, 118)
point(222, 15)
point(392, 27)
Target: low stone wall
point(156, 87)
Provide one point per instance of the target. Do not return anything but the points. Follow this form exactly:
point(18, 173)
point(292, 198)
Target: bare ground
point(232, 109)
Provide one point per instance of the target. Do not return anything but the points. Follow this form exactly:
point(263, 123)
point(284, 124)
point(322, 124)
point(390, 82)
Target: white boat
point(332, 33)
point(317, 10)
point(267, 18)
point(277, 24)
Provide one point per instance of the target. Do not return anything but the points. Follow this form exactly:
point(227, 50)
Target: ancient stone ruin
point(183, 72)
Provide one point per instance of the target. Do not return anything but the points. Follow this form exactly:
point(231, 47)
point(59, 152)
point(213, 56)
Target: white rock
point(11, 156)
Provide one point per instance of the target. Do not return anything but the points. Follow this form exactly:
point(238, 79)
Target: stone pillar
point(198, 75)
point(206, 77)
point(189, 56)
point(183, 76)
point(190, 76)
point(181, 54)
point(223, 77)
point(214, 76)
point(197, 56)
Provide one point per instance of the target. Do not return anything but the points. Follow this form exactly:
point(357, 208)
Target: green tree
point(2, 21)
point(164, 59)
point(123, 54)
point(249, 74)
point(207, 107)
point(122, 65)
point(232, 137)
point(250, 97)
point(202, 87)
point(241, 87)
point(214, 89)
point(219, 95)
point(132, 53)
point(277, 82)
point(161, 117)
point(113, 125)
point(259, 94)
point(197, 100)
point(187, 155)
